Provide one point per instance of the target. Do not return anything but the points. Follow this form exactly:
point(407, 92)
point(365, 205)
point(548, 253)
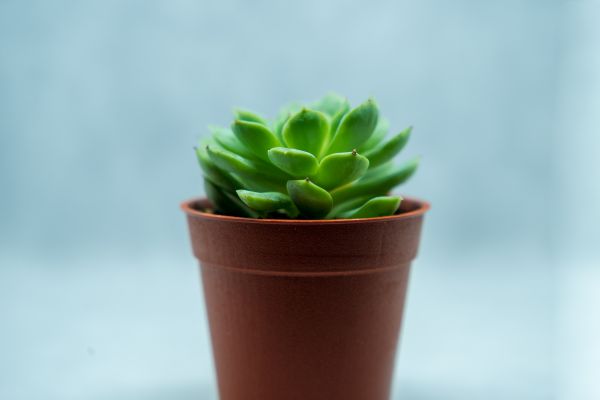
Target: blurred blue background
point(102, 101)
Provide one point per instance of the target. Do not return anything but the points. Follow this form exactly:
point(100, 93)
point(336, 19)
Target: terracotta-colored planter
point(306, 310)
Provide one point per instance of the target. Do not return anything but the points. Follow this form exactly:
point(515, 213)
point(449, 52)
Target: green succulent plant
point(322, 160)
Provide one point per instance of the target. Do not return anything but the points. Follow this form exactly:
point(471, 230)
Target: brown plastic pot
point(306, 310)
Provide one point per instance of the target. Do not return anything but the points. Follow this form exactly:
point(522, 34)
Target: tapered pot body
point(307, 310)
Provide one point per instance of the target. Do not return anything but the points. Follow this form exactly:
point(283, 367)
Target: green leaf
point(331, 104)
point(248, 116)
point(379, 170)
point(337, 118)
point(252, 176)
point(340, 168)
point(256, 137)
point(376, 185)
point(307, 130)
point(231, 162)
point(297, 163)
point(215, 174)
point(278, 125)
point(290, 108)
point(386, 151)
point(260, 184)
point(226, 139)
point(224, 202)
point(232, 144)
point(284, 114)
point(381, 130)
point(376, 207)
point(310, 199)
point(267, 202)
point(350, 204)
point(355, 128)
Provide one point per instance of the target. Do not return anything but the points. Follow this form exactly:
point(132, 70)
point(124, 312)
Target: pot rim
point(421, 208)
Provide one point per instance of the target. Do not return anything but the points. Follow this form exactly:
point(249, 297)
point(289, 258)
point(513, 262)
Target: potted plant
point(304, 256)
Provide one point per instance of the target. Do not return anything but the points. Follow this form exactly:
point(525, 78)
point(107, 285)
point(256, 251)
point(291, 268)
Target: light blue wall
point(102, 102)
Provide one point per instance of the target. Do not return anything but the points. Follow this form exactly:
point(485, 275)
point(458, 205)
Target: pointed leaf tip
point(381, 206)
point(355, 128)
point(307, 130)
point(312, 200)
point(256, 137)
point(295, 162)
point(340, 168)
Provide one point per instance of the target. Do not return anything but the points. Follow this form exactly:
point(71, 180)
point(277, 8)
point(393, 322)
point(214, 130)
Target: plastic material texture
point(301, 309)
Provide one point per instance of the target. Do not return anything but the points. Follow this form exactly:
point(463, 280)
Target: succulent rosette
point(323, 160)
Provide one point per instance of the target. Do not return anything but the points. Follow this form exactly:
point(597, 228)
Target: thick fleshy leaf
point(381, 130)
point(311, 200)
point(376, 207)
point(295, 162)
point(231, 162)
point(337, 118)
point(277, 126)
point(290, 108)
point(355, 128)
point(229, 142)
point(250, 174)
point(226, 139)
point(261, 184)
point(376, 185)
point(248, 116)
point(340, 168)
point(348, 205)
point(330, 104)
point(267, 202)
point(256, 137)
point(225, 203)
point(307, 130)
point(284, 114)
point(386, 151)
point(218, 176)
point(377, 171)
